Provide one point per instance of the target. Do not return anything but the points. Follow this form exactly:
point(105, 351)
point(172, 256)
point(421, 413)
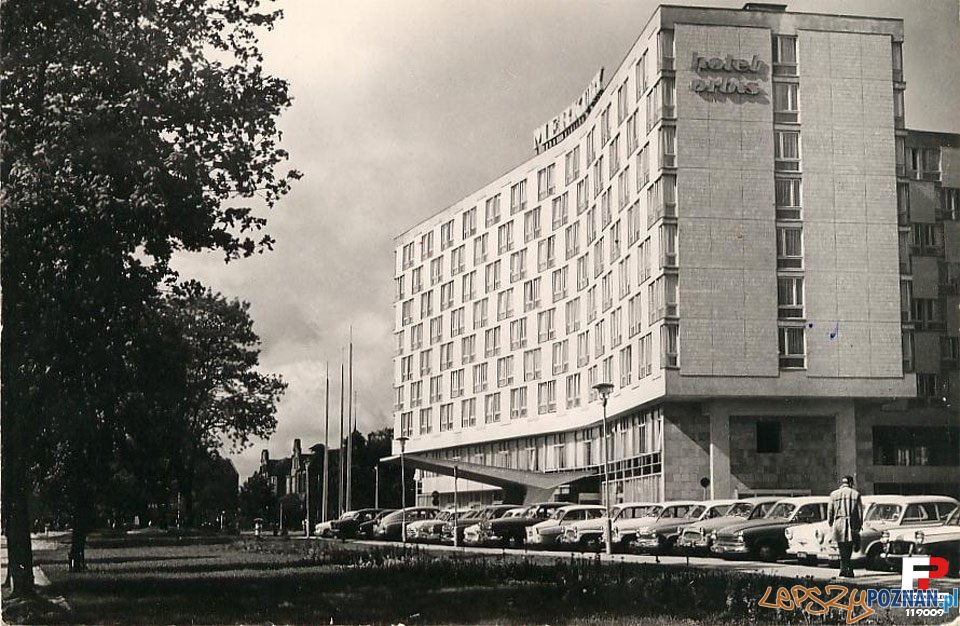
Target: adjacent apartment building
point(737, 231)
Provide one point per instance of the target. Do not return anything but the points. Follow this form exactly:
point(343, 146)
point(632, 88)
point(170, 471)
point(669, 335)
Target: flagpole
point(340, 462)
point(350, 427)
point(326, 448)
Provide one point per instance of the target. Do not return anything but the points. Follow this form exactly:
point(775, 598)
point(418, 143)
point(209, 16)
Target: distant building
point(300, 476)
point(714, 230)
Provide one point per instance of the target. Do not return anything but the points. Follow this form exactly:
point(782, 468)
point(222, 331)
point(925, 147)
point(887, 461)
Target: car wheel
point(873, 560)
point(766, 552)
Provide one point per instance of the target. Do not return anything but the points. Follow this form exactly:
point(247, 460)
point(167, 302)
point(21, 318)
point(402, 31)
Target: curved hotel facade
point(717, 228)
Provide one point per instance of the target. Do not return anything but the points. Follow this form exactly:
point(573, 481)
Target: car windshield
point(740, 509)
point(676, 511)
point(717, 510)
point(781, 511)
point(884, 512)
point(635, 512)
point(697, 511)
point(954, 519)
point(558, 514)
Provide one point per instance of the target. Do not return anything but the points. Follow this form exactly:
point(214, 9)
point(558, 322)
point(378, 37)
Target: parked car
point(325, 529)
point(474, 516)
point(546, 534)
point(815, 542)
point(661, 536)
point(366, 529)
point(764, 538)
point(942, 541)
point(513, 530)
point(625, 531)
point(390, 526)
point(479, 533)
point(430, 530)
point(588, 534)
point(698, 538)
point(347, 526)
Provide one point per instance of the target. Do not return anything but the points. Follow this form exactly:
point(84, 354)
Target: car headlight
point(885, 536)
point(818, 535)
point(740, 535)
point(713, 536)
point(918, 537)
point(788, 533)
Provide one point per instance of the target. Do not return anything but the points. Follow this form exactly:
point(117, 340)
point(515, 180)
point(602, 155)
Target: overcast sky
point(401, 108)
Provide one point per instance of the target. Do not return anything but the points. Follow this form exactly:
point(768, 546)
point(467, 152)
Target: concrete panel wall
point(686, 451)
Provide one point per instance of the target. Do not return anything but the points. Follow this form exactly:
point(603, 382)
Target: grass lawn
point(320, 582)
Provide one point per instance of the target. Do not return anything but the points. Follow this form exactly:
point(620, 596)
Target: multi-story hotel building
point(723, 229)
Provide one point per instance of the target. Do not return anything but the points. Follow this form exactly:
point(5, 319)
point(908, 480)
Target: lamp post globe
point(604, 390)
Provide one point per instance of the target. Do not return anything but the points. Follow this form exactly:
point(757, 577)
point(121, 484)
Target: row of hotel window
point(925, 234)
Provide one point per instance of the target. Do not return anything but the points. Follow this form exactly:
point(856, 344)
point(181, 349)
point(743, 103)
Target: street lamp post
point(403, 491)
point(605, 389)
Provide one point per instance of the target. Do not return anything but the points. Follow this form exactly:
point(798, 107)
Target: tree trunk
point(19, 548)
point(78, 544)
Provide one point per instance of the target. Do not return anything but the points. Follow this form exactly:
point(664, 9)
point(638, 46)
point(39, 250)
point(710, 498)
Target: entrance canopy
point(519, 486)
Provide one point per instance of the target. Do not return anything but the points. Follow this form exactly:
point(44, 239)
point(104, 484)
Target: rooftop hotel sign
point(735, 74)
point(559, 127)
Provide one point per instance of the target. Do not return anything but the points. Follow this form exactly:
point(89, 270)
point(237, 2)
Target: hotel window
point(790, 297)
point(426, 304)
point(426, 421)
point(644, 260)
point(518, 265)
point(786, 106)
point(950, 210)
point(643, 167)
point(615, 242)
point(631, 134)
point(468, 286)
point(906, 343)
point(583, 196)
point(547, 397)
point(547, 253)
point(505, 371)
point(634, 315)
point(583, 271)
point(408, 251)
point(480, 313)
point(479, 377)
point(416, 337)
point(668, 96)
point(518, 197)
point(593, 377)
point(456, 260)
point(606, 215)
point(665, 49)
point(505, 237)
point(623, 276)
point(616, 327)
point(626, 366)
point(652, 107)
point(917, 445)
point(931, 388)
point(399, 336)
point(426, 245)
point(928, 313)
point(559, 284)
point(545, 181)
point(399, 283)
point(546, 325)
point(605, 126)
point(645, 353)
point(903, 204)
point(518, 402)
point(436, 270)
point(668, 245)
point(416, 394)
point(623, 187)
point(906, 301)
point(784, 55)
point(398, 405)
point(469, 220)
point(897, 50)
point(598, 258)
point(599, 338)
point(901, 156)
point(583, 348)
point(930, 164)
point(903, 249)
point(468, 349)
point(605, 284)
point(492, 274)
point(531, 225)
point(633, 224)
point(571, 164)
point(446, 356)
point(531, 364)
point(416, 280)
point(518, 333)
point(591, 221)
point(531, 294)
point(560, 355)
point(456, 383)
point(591, 304)
point(436, 330)
point(572, 315)
point(573, 391)
point(406, 312)
point(572, 240)
point(949, 352)
point(622, 105)
point(792, 346)
point(614, 155)
point(787, 191)
point(456, 322)
point(468, 412)
point(669, 342)
point(786, 150)
point(598, 179)
point(608, 369)
point(436, 392)
point(926, 239)
point(591, 143)
point(898, 108)
point(641, 75)
point(505, 304)
point(668, 146)
point(769, 440)
point(425, 362)
point(406, 424)
point(480, 249)
point(492, 342)
point(446, 417)
point(446, 235)
point(559, 211)
point(789, 248)
point(493, 210)
point(406, 368)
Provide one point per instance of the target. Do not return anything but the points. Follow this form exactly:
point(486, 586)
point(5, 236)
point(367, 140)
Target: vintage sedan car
point(431, 530)
point(546, 534)
point(815, 542)
point(325, 529)
point(474, 516)
point(764, 538)
point(513, 530)
point(625, 532)
point(479, 534)
point(942, 541)
point(661, 536)
point(391, 526)
point(588, 534)
point(347, 526)
point(697, 538)
point(366, 529)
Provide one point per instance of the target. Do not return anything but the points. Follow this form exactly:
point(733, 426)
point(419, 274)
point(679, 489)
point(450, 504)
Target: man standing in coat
point(845, 517)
